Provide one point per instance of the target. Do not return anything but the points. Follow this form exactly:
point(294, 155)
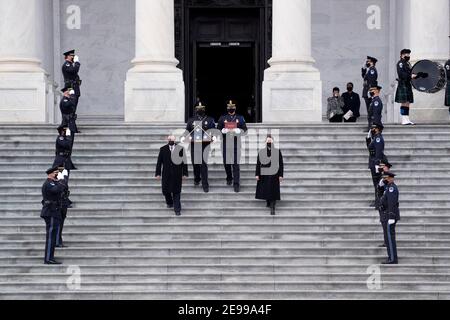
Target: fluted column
point(22, 79)
point(154, 89)
point(292, 89)
point(428, 39)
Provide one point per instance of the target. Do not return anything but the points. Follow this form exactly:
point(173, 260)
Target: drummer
point(404, 94)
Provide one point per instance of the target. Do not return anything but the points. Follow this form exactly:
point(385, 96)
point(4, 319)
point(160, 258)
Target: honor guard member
point(63, 152)
point(52, 192)
point(376, 106)
point(172, 168)
point(197, 128)
point(447, 88)
point(375, 145)
point(383, 167)
point(370, 76)
point(269, 174)
point(233, 127)
point(65, 204)
point(404, 94)
point(70, 70)
point(390, 215)
point(68, 106)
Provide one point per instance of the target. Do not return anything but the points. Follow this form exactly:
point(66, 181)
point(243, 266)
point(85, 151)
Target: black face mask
point(349, 89)
point(372, 94)
point(231, 111)
point(171, 143)
point(201, 113)
point(269, 145)
point(407, 58)
point(368, 65)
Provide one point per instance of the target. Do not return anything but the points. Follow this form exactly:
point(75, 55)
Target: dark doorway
point(226, 73)
point(223, 48)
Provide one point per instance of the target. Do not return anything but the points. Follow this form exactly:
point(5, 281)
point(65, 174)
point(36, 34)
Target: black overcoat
point(268, 186)
point(172, 169)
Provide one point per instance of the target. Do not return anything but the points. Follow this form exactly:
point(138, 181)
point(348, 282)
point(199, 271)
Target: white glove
point(65, 173)
point(72, 92)
point(76, 59)
point(182, 139)
point(68, 132)
point(369, 135)
point(60, 176)
point(381, 183)
point(391, 221)
point(214, 138)
point(237, 131)
point(225, 131)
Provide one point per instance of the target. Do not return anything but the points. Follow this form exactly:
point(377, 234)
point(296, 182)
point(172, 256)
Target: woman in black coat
point(269, 174)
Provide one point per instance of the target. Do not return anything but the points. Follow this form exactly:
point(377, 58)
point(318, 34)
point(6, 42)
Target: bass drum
point(433, 76)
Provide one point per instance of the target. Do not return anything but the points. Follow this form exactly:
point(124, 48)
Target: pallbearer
point(233, 127)
point(269, 174)
point(172, 168)
point(198, 128)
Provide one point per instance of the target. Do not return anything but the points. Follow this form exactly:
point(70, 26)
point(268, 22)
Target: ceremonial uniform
point(65, 204)
point(269, 173)
point(68, 106)
point(231, 146)
point(198, 127)
point(404, 92)
point(370, 77)
point(377, 110)
point(447, 89)
point(172, 172)
point(376, 155)
point(52, 192)
point(63, 153)
point(390, 211)
point(70, 73)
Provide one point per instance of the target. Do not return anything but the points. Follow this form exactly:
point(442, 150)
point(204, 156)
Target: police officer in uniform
point(383, 168)
point(63, 150)
point(197, 128)
point(233, 127)
point(447, 89)
point(65, 204)
point(404, 94)
point(269, 174)
point(70, 70)
point(390, 216)
point(375, 145)
point(370, 76)
point(68, 106)
point(52, 192)
point(376, 106)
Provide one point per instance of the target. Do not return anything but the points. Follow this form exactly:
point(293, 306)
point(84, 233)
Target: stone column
point(428, 38)
point(292, 89)
point(22, 80)
point(154, 88)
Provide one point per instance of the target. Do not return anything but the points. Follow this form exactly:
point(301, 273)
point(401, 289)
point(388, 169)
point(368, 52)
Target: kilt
point(404, 93)
point(447, 95)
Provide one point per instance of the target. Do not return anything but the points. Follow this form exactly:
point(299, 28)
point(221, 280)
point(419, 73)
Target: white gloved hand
point(225, 131)
point(369, 135)
point(65, 172)
point(381, 183)
point(60, 176)
point(237, 131)
point(182, 139)
point(68, 132)
point(391, 221)
point(214, 139)
point(72, 92)
point(76, 59)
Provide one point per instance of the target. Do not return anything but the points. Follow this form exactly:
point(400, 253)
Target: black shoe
point(61, 246)
point(389, 262)
point(229, 182)
point(206, 189)
point(178, 214)
point(170, 206)
point(268, 205)
point(372, 204)
point(237, 189)
point(196, 183)
point(272, 211)
point(75, 168)
point(382, 246)
point(53, 262)
point(78, 131)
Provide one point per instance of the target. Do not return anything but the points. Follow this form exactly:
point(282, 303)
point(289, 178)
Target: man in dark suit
point(352, 103)
point(172, 168)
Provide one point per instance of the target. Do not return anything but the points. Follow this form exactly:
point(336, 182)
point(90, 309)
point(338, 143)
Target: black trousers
point(233, 172)
point(174, 199)
point(231, 160)
point(271, 203)
point(336, 119)
point(390, 240)
point(51, 228)
point(199, 160)
point(59, 239)
point(369, 111)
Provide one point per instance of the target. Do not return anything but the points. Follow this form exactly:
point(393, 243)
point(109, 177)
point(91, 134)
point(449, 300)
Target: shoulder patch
point(400, 64)
point(52, 184)
point(376, 103)
point(447, 67)
point(378, 140)
point(67, 64)
point(372, 71)
point(391, 189)
point(61, 138)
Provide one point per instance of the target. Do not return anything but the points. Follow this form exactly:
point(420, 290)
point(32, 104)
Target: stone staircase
point(323, 243)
